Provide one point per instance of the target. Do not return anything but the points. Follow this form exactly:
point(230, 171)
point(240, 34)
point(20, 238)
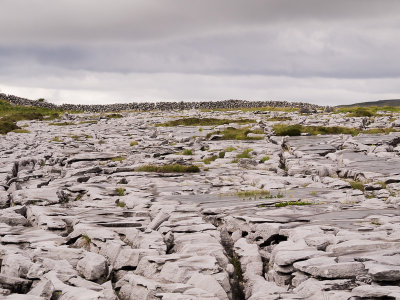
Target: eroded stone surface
point(78, 222)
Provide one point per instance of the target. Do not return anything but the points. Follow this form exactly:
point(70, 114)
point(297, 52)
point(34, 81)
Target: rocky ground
point(309, 217)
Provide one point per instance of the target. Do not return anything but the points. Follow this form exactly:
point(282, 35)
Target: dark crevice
point(236, 278)
point(273, 240)
point(128, 268)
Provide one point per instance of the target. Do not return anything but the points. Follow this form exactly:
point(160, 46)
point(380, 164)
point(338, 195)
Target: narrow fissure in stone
point(236, 278)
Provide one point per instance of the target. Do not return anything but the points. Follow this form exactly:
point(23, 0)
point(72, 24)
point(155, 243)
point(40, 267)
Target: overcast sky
point(106, 51)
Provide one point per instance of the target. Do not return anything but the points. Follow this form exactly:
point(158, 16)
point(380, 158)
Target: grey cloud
point(43, 42)
point(93, 20)
point(291, 51)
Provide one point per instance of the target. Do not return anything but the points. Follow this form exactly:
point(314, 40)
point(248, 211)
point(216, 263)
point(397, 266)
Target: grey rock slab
point(42, 196)
point(60, 252)
point(249, 256)
point(315, 289)
point(44, 288)
point(376, 292)
point(208, 283)
point(92, 266)
point(15, 265)
point(15, 284)
point(92, 157)
point(354, 246)
point(34, 237)
point(161, 217)
point(4, 199)
point(12, 218)
point(327, 267)
point(383, 272)
point(258, 288)
point(133, 286)
point(288, 257)
point(129, 258)
point(23, 297)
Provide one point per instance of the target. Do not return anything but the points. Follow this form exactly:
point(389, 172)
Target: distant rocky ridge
point(389, 102)
point(146, 106)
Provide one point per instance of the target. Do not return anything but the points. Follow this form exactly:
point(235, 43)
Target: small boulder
point(92, 266)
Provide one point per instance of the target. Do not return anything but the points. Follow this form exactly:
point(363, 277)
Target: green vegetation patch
point(21, 131)
point(7, 126)
point(230, 149)
point(264, 159)
point(120, 191)
point(118, 158)
point(357, 185)
point(21, 112)
point(187, 152)
point(286, 203)
point(121, 204)
point(114, 116)
point(172, 168)
point(88, 122)
point(360, 111)
point(204, 122)
point(57, 139)
point(86, 239)
point(208, 160)
point(258, 194)
point(274, 119)
point(296, 130)
point(62, 124)
point(231, 133)
point(134, 143)
point(10, 114)
point(245, 154)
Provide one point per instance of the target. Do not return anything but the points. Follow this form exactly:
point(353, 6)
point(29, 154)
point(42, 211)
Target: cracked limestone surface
point(122, 208)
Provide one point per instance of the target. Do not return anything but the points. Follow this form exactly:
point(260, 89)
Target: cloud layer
point(327, 52)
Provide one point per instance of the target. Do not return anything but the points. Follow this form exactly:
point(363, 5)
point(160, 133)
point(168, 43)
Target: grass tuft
point(121, 204)
point(120, 191)
point(62, 124)
point(264, 159)
point(357, 185)
point(118, 158)
point(86, 239)
point(284, 204)
point(230, 149)
point(21, 131)
point(208, 160)
point(245, 154)
point(258, 194)
point(231, 133)
point(187, 152)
